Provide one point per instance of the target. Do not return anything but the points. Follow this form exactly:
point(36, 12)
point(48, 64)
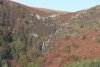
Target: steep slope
point(21, 34)
point(78, 39)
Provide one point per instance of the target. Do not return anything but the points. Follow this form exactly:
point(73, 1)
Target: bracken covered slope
point(78, 39)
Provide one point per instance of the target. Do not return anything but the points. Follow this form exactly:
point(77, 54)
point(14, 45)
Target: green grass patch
point(85, 63)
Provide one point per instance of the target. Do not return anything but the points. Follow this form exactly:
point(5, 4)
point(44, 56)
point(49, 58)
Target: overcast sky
point(64, 5)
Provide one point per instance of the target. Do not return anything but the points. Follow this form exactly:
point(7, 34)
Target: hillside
point(78, 39)
point(66, 37)
point(60, 15)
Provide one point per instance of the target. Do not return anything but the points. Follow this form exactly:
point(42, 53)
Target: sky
point(64, 5)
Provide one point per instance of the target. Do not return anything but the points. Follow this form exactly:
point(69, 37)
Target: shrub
point(83, 37)
point(86, 63)
point(22, 60)
point(98, 38)
point(4, 63)
point(68, 49)
point(67, 37)
point(75, 45)
point(68, 58)
point(39, 63)
point(76, 58)
point(73, 58)
point(35, 53)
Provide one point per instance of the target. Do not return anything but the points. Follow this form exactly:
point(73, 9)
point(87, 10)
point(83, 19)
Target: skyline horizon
point(71, 7)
